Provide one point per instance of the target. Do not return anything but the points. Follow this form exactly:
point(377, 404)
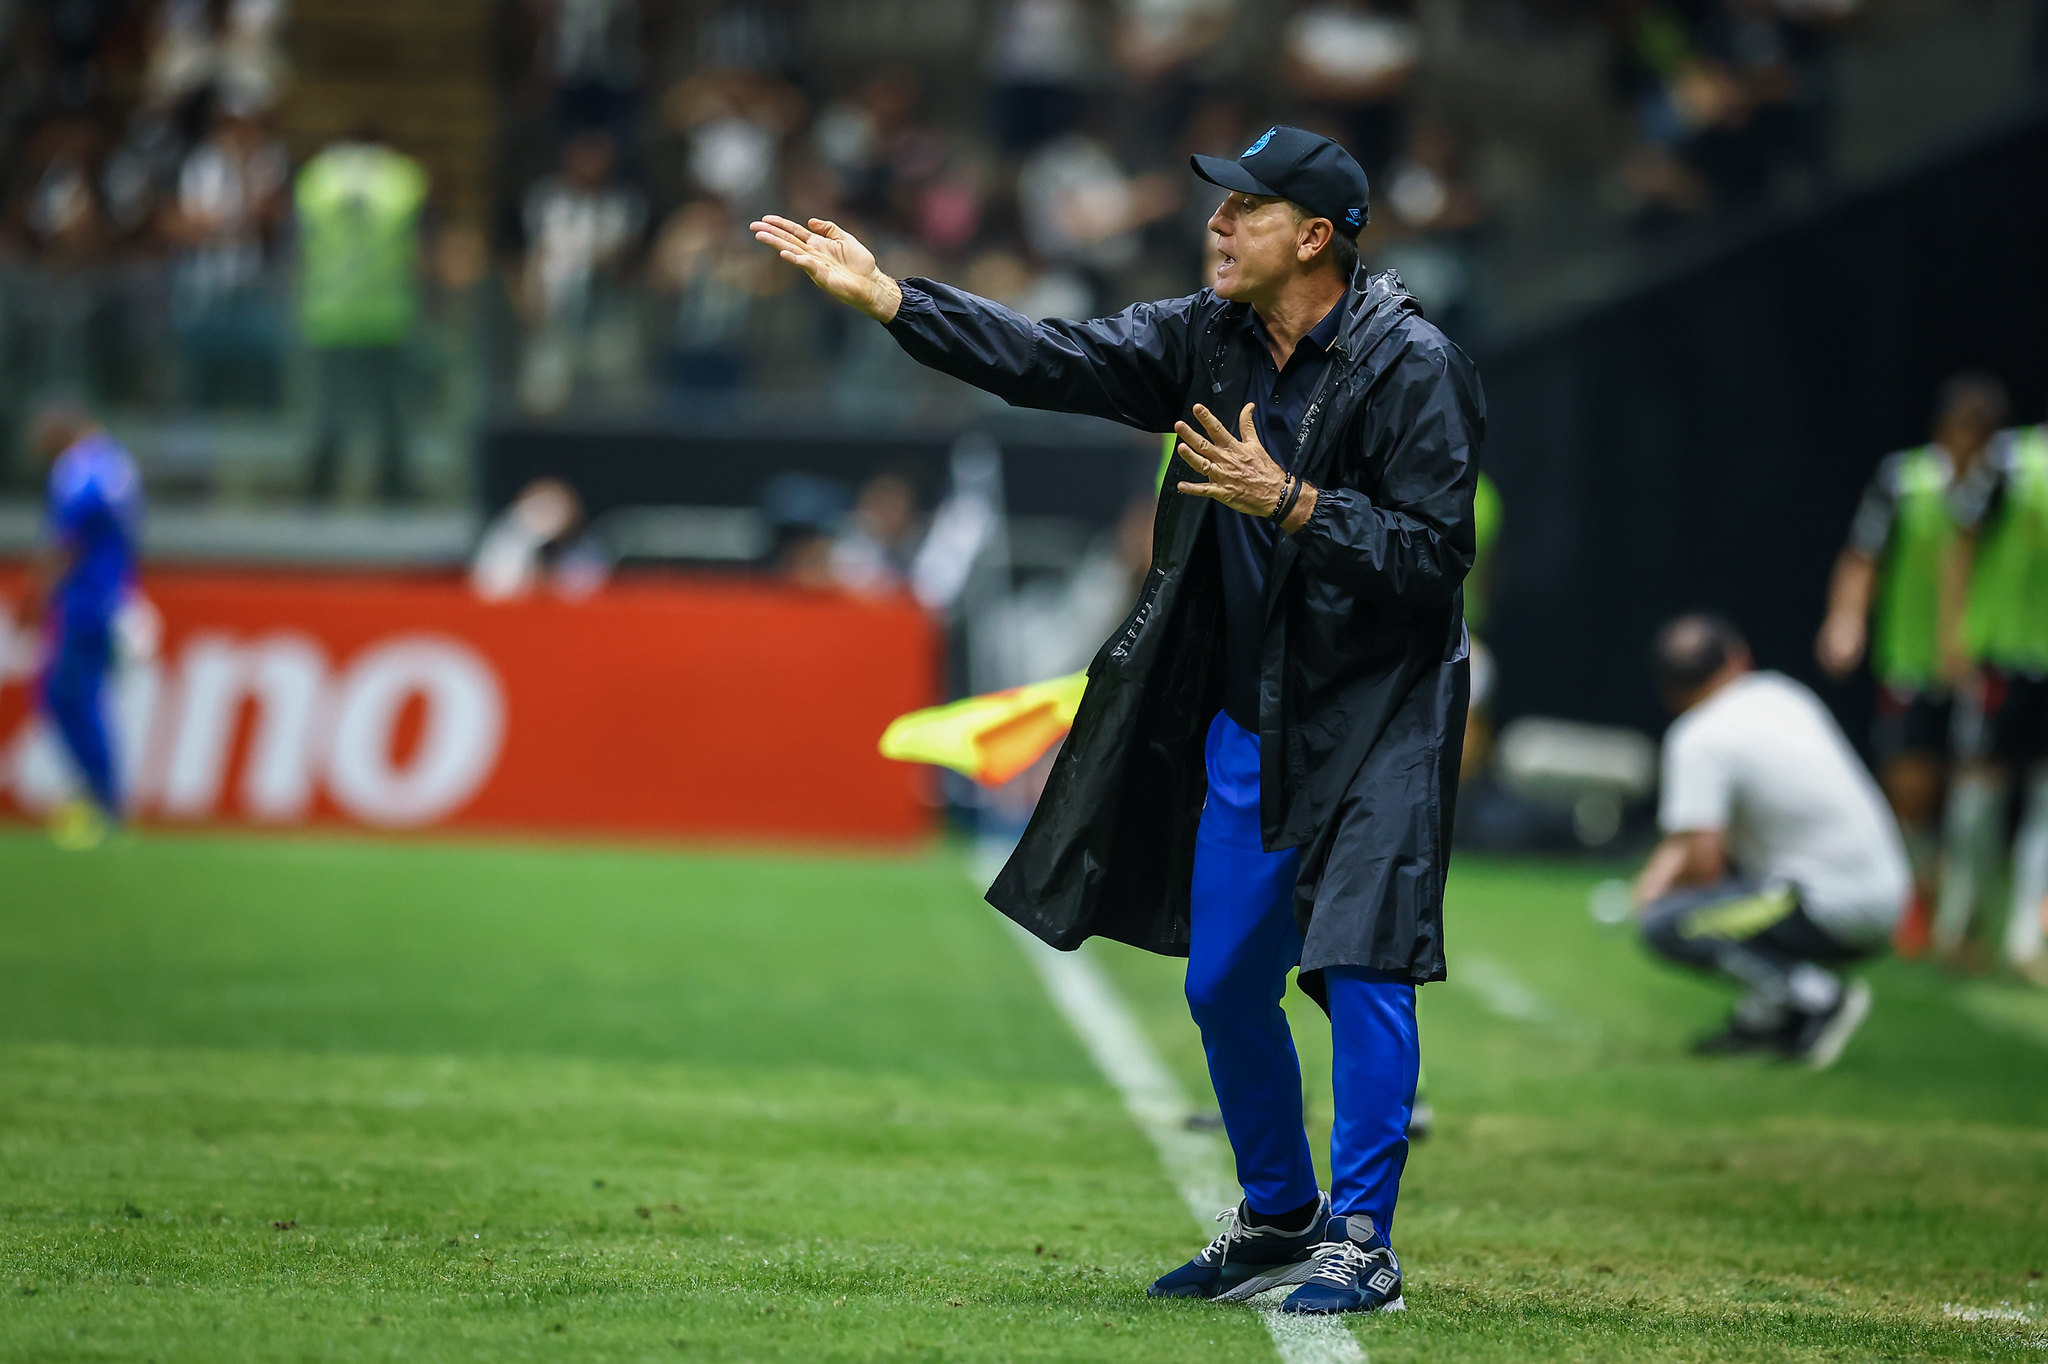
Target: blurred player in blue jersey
point(80, 580)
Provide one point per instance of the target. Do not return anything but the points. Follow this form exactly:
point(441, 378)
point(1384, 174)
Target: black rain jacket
point(1363, 673)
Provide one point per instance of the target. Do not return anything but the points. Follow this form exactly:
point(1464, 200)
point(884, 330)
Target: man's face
point(1963, 434)
point(1257, 239)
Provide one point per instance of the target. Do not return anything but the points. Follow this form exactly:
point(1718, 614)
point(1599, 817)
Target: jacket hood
point(1379, 302)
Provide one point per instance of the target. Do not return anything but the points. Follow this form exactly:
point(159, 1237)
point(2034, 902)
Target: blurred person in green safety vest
point(1999, 590)
point(1886, 601)
point(360, 205)
point(1486, 521)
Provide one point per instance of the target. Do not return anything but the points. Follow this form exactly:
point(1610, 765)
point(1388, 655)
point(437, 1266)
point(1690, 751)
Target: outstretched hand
point(835, 260)
point(1240, 474)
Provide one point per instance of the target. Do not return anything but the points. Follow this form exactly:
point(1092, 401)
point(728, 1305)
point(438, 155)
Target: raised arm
point(1130, 368)
point(836, 262)
point(1845, 631)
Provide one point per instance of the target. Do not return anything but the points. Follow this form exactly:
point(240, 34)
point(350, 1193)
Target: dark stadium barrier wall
point(1703, 443)
point(670, 710)
point(1054, 466)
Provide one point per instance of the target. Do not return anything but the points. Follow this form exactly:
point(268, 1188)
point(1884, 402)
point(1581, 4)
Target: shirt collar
point(1322, 336)
point(1324, 333)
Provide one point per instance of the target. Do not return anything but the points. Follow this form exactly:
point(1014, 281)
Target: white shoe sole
point(1827, 1048)
point(1397, 1305)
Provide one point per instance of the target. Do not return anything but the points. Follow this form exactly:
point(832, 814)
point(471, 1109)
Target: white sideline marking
point(1506, 996)
point(2005, 1311)
point(1503, 993)
point(2016, 1012)
point(1193, 1160)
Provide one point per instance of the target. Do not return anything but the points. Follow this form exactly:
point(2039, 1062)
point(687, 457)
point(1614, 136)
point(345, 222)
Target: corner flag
point(994, 737)
point(988, 738)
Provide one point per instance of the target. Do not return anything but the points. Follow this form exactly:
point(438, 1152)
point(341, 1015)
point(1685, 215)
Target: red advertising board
point(685, 709)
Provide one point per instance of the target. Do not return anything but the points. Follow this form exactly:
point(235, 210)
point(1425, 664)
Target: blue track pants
point(1244, 944)
point(75, 696)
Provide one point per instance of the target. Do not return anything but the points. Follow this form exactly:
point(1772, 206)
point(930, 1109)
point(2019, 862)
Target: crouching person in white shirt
point(1780, 862)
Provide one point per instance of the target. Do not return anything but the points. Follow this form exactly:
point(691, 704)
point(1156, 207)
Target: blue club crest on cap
point(1351, 217)
point(1260, 145)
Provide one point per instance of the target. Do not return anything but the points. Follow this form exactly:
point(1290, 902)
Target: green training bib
point(2006, 623)
point(1905, 647)
point(359, 210)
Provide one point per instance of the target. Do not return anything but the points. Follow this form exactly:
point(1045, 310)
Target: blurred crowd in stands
point(188, 166)
point(1729, 98)
point(1056, 182)
point(1034, 152)
point(146, 135)
point(159, 245)
point(1059, 185)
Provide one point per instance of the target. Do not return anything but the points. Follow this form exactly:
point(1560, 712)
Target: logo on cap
point(1351, 216)
point(1260, 145)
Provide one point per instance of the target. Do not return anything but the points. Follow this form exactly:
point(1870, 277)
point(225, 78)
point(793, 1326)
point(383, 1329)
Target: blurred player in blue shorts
point(80, 580)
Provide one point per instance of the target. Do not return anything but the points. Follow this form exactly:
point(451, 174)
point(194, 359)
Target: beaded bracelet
point(1288, 497)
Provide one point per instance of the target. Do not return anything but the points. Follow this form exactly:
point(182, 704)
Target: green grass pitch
point(297, 1099)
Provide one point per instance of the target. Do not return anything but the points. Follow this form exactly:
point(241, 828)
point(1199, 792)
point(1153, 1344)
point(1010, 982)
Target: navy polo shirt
point(1280, 399)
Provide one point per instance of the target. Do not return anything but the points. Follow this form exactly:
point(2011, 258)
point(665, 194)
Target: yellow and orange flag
point(989, 738)
point(992, 738)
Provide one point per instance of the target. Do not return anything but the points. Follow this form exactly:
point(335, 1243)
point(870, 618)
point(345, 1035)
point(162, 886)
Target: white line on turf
point(2005, 1311)
point(1507, 996)
point(2014, 1010)
point(1194, 1160)
point(1498, 987)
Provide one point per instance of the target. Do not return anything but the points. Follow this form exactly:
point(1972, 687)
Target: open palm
point(834, 259)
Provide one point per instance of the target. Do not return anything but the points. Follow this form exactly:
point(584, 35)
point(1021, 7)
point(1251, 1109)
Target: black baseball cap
point(1300, 166)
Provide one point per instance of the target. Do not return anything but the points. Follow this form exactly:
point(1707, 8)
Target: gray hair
point(1342, 252)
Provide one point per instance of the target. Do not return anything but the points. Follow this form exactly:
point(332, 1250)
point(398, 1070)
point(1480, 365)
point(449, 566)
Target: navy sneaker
point(1354, 1271)
point(1247, 1259)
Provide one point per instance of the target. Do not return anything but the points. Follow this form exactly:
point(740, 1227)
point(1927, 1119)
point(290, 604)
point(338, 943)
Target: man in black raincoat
point(1263, 769)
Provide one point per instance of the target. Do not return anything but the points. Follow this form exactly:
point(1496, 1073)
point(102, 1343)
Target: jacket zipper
point(1310, 417)
point(1140, 614)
